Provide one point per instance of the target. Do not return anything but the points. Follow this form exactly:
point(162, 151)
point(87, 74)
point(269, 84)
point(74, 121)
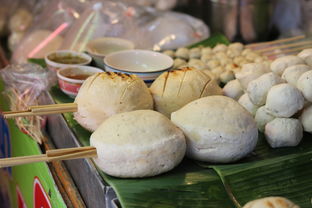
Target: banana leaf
point(212, 41)
point(188, 185)
point(270, 172)
point(266, 172)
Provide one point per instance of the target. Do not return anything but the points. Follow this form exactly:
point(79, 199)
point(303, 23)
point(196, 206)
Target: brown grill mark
point(125, 90)
point(269, 204)
point(165, 83)
point(184, 74)
point(97, 75)
point(206, 84)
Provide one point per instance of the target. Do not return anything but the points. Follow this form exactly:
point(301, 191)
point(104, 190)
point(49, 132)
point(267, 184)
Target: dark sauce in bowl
point(78, 76)
point(67, 59)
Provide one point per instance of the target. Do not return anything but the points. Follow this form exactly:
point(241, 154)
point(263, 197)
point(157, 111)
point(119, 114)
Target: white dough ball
point(217, 71)
point(258, 89)
point(195, 53)
point(105, 94)
point(262, 118)
point(219, 48)
point(239, 59)
point(246, 51)
point(206, 51)
point(227, 76)
point(292, 73)
point(283, 132)
point(182, 53)
point(252, 56)
point(308, 60)
point(197, 64)
point(231, 53)
point(247, 104)
point(213, 63)
point(178, 63)
point(169, 53)
point(221, 55)
point(236, 46)
point(233, 89)
point(217, 129)
point(250, 72)
point(226, 61)
point(129, 146)
point(304, 84)
point(206, 57)
point(284, 100)
point(271, 202)
point(306, 119)
point(305, 53)
point(280, 64)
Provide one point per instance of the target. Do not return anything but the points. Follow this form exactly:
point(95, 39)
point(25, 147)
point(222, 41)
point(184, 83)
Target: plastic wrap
point(48, 29)
point(23, 85)
point(72, 24)
point(146, 27)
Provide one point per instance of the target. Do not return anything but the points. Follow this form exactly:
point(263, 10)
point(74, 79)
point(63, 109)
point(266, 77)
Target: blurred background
point(32, 28)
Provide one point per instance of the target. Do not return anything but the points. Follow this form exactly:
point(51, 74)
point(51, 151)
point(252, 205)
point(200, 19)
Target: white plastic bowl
point(147, 65)
point(55, 66)
point(70, 85)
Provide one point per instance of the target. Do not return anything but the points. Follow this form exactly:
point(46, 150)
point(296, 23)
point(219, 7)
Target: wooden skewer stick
point(51, 155)
point(302, 43)
point(275, 41)
point(287, 51)
point(43, 110)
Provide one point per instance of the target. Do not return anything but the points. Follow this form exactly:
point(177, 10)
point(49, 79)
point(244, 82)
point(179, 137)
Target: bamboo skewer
point(287, 51)
point(51, 155)
point(43, 110)
point(301, 43)
point(275, 41)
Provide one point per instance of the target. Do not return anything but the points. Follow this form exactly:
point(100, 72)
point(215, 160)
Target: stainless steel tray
point(93, 189)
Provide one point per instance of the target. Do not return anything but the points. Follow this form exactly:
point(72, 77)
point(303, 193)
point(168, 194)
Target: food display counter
point(153, 121)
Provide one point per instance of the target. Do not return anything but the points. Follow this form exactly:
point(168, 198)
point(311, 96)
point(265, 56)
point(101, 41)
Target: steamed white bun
point(139, 143)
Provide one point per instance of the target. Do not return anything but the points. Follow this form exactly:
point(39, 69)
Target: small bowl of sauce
point(65, 58)
point(71, 78)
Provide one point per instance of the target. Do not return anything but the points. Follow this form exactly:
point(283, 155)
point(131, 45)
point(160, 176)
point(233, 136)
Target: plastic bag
point(146, 27)
point(23, 85)
point(30, 79)
point(72, 24)
point(48, 29)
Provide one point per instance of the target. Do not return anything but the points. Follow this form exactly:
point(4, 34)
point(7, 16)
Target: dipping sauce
point(78, 76)
point(75, 73)
point(67, 59)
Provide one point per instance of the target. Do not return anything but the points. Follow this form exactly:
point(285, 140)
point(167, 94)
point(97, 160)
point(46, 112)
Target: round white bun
point(280, 64)
point(217, 129)
point(283, 132)
point(140, 143)
point(304, 84)
point(284, 100)
point(271, 202)
point(172, 90)
point(258, 89)
point(292, 73)
point(105, 94)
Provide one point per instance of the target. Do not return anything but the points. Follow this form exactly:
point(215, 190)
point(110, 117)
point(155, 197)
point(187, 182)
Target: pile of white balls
point(279, 96)
point(223, 61)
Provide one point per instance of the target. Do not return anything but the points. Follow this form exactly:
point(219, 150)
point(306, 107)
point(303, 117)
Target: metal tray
point(93, 189)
